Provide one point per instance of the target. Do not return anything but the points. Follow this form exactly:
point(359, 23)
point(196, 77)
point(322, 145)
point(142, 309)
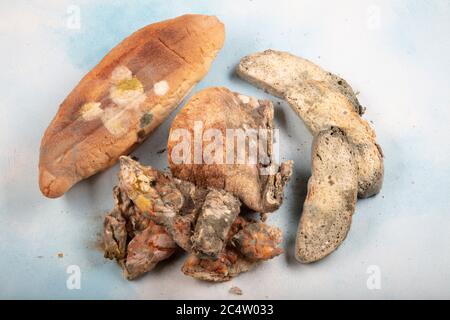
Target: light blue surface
point(396, 53)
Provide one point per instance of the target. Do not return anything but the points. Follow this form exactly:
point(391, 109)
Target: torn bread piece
point(331, 198)
point(243, 164)
point(229, 264)
point(257, 241)
point(154, 211)
point(321, 99)
point(198, 219)
point(204, 222)
point(219, 210)
point(249, 243)
point(167, 201)
point(136, 242)
point(146, 249)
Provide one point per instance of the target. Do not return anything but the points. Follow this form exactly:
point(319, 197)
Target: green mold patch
point(146, 119)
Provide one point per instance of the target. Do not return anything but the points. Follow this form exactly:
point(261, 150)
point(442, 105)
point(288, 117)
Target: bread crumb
point(236, 291)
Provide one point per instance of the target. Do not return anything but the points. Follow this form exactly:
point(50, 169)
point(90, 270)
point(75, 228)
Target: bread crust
point(125, 97)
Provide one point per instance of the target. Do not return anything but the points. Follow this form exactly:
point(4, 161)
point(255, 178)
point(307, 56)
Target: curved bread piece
point(218, 110)
point(275, 71)
point(220, 209)
point(125, 97)
point(249, 242)
point(321, 99)
point(331, 199)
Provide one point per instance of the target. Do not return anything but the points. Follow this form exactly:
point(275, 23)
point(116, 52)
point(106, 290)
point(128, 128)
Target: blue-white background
point(396, 53)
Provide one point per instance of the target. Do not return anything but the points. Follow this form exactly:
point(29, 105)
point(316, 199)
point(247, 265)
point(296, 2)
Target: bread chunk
point(259, 184)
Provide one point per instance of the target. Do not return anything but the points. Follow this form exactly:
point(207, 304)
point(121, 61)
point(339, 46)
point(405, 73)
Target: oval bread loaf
point(125, 97)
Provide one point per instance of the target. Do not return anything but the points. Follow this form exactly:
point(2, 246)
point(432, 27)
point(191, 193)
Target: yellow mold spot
point(143, 204)
point(127, 91)
point(130, 84)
